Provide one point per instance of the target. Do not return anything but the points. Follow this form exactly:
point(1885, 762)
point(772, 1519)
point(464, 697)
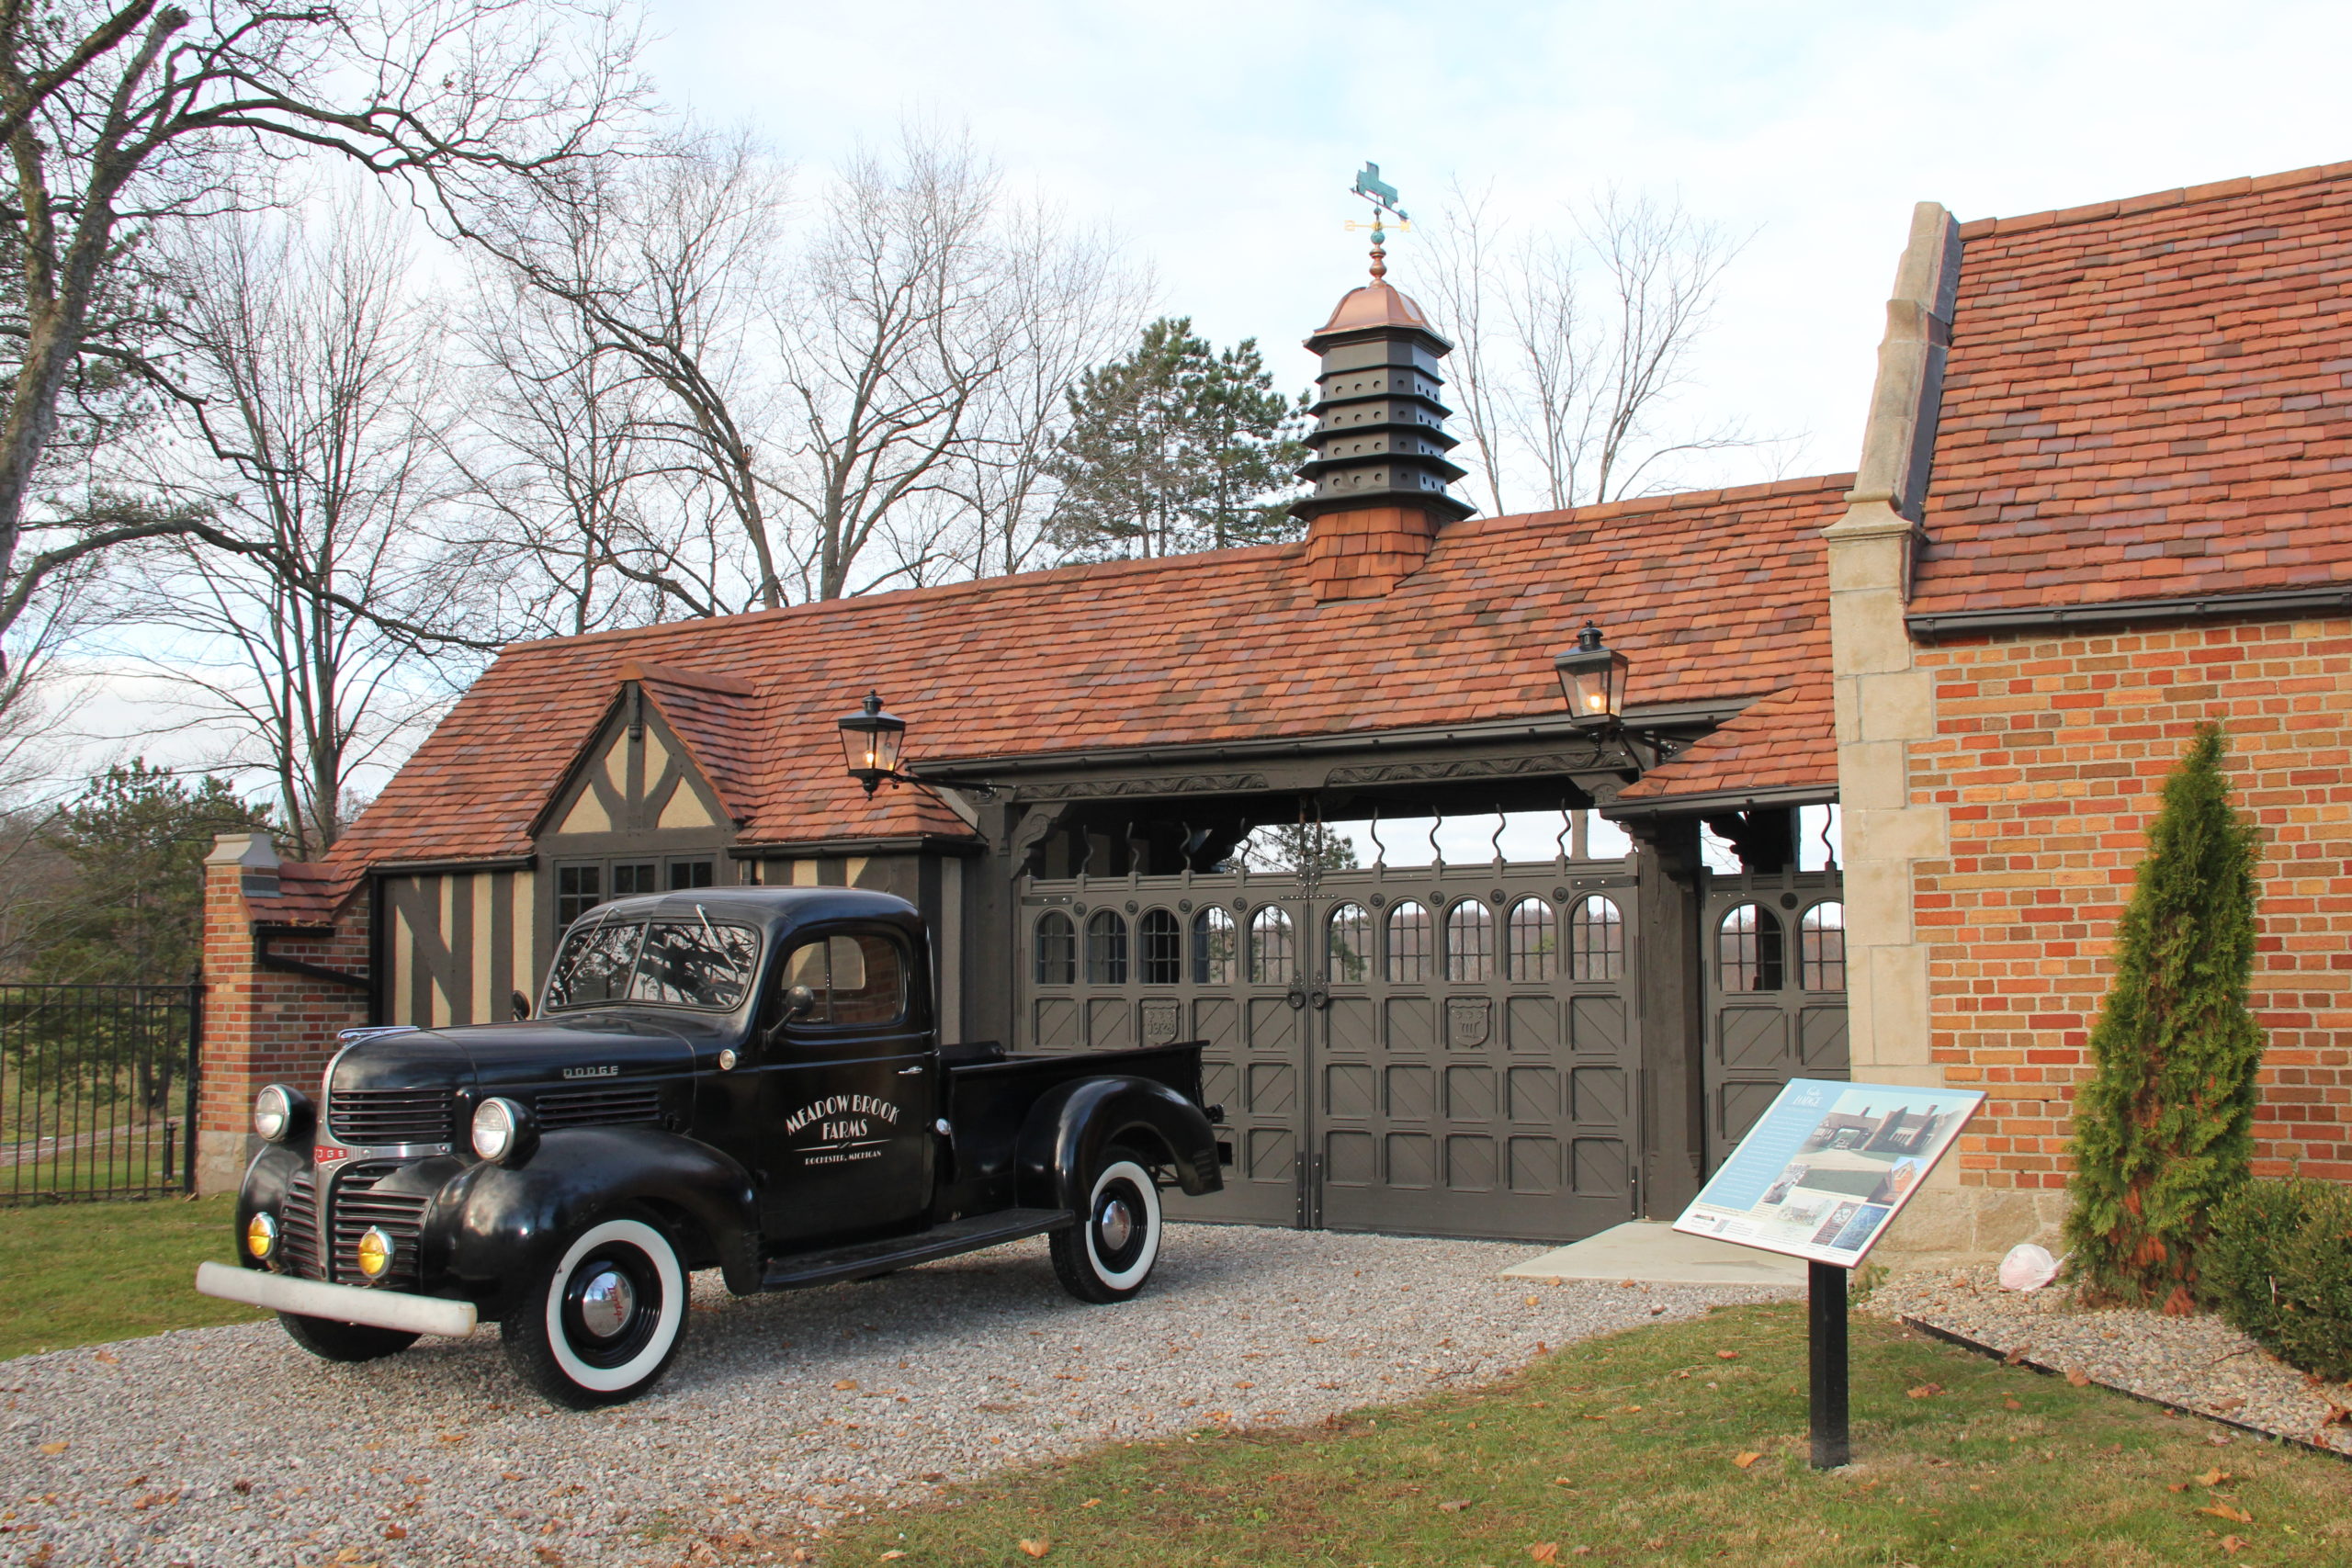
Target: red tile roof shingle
point(2147, 399)
point(1786, 742)
point(1712, 596)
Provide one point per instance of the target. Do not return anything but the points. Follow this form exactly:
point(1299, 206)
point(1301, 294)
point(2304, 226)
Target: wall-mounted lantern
point(871, 740)
point(1592, 676)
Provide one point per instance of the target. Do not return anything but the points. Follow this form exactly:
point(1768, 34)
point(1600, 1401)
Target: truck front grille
point(357, 1205)
point(372, 1117)
point(599, 1107)
point(298, 1226)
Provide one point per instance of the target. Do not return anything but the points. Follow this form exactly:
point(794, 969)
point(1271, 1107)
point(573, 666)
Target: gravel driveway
point(229, 1446)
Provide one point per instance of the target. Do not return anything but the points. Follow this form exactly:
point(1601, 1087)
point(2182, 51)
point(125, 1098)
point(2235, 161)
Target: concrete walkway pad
point(1656, 1254)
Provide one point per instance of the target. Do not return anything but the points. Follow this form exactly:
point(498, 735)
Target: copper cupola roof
point(1376, 304)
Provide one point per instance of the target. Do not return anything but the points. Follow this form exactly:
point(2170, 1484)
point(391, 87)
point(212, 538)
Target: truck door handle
point(909, 1072)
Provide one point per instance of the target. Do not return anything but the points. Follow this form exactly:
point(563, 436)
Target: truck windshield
point(696, 963)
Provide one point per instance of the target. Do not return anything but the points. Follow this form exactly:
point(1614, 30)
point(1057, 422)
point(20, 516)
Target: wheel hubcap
point(1117, 1224)
point(607, 1304)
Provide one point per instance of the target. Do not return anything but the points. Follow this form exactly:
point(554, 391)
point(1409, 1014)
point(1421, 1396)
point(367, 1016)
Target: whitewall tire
point(601, 1324)
point(1109, 1253)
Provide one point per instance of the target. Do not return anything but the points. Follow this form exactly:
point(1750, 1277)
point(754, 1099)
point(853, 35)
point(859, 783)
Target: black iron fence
point(97, 1090)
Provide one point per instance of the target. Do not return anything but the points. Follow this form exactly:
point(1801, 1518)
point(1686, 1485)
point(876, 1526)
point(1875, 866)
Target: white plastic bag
point(2027, 1267)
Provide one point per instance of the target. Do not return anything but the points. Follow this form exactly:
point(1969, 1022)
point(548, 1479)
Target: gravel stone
point(2198, 1363)
point(783, 1414)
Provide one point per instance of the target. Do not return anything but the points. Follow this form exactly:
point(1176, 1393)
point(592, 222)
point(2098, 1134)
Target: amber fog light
point(261, 1236)
point(376, 1250)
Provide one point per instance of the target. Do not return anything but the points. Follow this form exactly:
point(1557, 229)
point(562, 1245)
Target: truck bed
point(988, 1096)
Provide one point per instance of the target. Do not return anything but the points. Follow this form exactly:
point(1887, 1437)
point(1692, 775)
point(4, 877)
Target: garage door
point(1774, 949)
point(1436, 1051)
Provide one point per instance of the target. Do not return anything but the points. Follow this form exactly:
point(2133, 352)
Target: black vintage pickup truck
point(745, 1078)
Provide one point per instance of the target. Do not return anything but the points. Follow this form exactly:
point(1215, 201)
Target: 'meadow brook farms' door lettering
point(846, 1127)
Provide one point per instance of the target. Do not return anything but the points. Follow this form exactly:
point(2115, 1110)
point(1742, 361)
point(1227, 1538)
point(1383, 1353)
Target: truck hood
point(602, 1047)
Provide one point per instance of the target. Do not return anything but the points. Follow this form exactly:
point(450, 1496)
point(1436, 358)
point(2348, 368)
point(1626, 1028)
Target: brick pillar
point(1365, 554)
point(263, 1025)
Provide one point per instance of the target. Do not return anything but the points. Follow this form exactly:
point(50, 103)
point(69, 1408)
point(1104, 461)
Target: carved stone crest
point(1162, 1021)
point(1468, 1021)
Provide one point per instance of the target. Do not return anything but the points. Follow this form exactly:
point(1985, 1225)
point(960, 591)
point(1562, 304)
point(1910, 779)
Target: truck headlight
point(280, 1112)
point(261, 1235)
point(504, 1131)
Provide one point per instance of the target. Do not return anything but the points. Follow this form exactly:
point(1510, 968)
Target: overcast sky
point(1219, 138)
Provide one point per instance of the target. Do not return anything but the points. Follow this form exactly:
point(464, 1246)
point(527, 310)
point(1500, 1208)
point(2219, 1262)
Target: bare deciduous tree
point(122, 120)
point(318, 376)
point(1570, 349)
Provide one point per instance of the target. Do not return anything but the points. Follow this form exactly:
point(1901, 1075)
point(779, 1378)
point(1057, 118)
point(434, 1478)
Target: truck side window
point(858, 980)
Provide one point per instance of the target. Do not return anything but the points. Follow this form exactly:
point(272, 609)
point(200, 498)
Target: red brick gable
point(2148, 399)
point(1786, 742)
point(1712, 596)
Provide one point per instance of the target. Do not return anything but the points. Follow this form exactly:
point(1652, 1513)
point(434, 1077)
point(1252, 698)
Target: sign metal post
point(1826, 1306)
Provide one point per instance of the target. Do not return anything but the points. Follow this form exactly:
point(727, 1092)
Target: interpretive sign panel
point(1827, 1167)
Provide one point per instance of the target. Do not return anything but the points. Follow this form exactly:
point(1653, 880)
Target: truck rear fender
point(495, 1222)
point(1071, 1124)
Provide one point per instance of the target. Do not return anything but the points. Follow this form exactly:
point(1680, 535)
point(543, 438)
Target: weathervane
point(1383, 196)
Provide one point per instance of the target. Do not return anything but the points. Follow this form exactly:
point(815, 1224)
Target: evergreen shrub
point(2164, 1127)
point(2277, 1264)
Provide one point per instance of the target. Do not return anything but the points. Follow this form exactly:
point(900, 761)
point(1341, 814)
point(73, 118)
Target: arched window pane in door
point(1216, 948)
point(1274, 954)
point(1821, 947)
point(1409, 947)
point(1106, 948)
point(1469, 943)
point(1349, 931)
point(1162, 944)
point(1596, 940)
point(1747, 951)
point(1056, 950)
point(1534, 940)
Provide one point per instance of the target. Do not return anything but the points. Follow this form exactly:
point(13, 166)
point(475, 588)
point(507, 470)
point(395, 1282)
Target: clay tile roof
point(307, 896)
point(1786, 741)
point(1376, 304)
point(2148, 399)
point(1714, 597)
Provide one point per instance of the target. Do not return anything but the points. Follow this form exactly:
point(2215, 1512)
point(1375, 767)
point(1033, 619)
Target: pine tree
point(1177, 447)
point(2164, 1127)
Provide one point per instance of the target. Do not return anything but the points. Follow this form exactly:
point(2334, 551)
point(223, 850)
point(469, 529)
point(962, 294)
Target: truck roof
point(777, 912)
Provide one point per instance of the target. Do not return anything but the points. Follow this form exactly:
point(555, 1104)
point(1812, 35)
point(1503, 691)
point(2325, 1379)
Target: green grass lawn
point(1627, 1451)
point(78, 1273)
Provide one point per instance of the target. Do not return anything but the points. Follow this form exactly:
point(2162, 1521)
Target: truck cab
point(745, 1078)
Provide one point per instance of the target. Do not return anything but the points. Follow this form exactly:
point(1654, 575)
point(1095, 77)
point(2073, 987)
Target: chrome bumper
point(340, 1304)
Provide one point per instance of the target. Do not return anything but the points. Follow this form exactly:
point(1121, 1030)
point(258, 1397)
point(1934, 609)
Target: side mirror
point(519, 1005)
point(798, 1003)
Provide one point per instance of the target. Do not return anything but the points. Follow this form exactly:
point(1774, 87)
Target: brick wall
point(2048, 756)
point(263, 1025)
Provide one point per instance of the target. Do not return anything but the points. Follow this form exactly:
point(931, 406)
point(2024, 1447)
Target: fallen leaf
point(1037, 1548)
point(53, 1448)
point(846, 1385)
point(1544, 1552)
point(1746, 1459)
point(2079, 1377)
point(1245, 1383)
point(2337, 1415)
point(1453, 1508)
point(2010, 1404)
point(2223, 1406)
point(108, 1357)
point(2224, 1511)
point(2213, 1477)
point(1658, 1311)
point(892, 1555)
point(1726, 1355)
point(2014, 1356)
point(395, 1532)
point(1624, 1285)
point(1924, 1391)
point(1091, 1503)
point(2234, 1544)
point(1562, 1481)
point(1555, 1550)
point(2176, 1485)
point(1629, 1409)
point(452, 1437)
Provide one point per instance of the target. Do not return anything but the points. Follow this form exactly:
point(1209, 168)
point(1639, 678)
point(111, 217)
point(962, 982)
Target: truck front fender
point(267, 1182)
point(1067, 1131)
point(497, 1223)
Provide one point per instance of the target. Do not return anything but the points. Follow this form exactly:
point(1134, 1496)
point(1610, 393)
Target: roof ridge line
point(1675, 501)
point(2150, 201)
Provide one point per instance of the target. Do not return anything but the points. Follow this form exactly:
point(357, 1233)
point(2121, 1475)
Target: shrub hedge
point(2277, 1264)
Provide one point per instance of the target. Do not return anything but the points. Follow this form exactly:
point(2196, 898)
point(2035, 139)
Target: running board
point(867, 1258)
